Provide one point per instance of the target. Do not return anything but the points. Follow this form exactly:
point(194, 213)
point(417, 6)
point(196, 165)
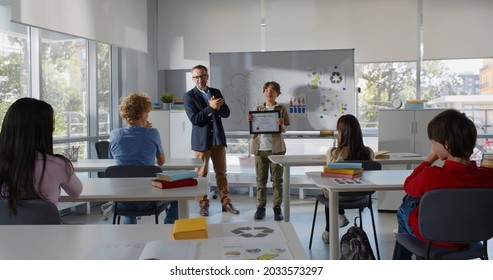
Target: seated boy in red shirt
point(453, 137)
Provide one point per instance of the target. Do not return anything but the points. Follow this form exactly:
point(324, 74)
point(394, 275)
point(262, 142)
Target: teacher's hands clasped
point(216, 103)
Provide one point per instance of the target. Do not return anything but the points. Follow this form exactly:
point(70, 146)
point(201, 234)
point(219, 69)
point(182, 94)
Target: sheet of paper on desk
point(259, 232)
point(355, 181)
point(257, 251)
point(156, 249)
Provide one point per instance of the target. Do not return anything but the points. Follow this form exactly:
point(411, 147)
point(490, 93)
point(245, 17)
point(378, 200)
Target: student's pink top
point(56, 176)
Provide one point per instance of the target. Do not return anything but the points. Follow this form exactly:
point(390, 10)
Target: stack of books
point(175, 179)
point(487, 160)
point(415, 104)
point(349, 170)
point(178, 104)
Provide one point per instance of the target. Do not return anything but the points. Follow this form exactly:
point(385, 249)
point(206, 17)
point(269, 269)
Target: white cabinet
point(402, 131)
point(180, 135)
point(160, 121)
point(175, 130)
point(405, 131)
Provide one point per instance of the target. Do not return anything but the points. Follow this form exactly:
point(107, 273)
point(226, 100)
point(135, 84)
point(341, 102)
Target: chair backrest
point(30, 212)
point(122, 171)
point(103, 149)
point(460, 215)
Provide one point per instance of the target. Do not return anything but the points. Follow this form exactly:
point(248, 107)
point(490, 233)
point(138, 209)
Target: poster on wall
point(317, 87)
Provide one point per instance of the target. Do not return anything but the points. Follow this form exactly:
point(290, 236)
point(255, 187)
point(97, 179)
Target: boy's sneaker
point(325, 237)
point(260, 213)
point(343, 221)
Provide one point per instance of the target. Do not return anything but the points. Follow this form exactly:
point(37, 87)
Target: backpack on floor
point(355, 244)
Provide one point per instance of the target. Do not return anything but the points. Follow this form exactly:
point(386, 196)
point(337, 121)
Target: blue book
point(345, 165)
point(175, 175)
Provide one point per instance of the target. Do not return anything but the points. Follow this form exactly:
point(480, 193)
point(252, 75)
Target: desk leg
point(334, 225)
point(183, 209)
point(285, 191)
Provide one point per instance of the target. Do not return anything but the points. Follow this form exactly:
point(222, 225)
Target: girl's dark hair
point(456, 130)
point(351, 138)
point(27, 129)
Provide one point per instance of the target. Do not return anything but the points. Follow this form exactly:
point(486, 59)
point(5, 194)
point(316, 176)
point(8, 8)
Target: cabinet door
point(180, 135)
point(160, 120)
point(422, 144)
point(395, 131)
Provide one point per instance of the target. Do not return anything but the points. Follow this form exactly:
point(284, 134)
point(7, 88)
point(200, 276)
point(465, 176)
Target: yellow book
point(343, 171)
point(194, 228)
point(382, 155)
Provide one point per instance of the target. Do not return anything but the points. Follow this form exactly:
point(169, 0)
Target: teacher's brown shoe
point(228, 207)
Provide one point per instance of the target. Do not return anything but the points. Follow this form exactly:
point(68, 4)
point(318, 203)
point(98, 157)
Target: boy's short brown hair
point(456, 130)
point(274, 85)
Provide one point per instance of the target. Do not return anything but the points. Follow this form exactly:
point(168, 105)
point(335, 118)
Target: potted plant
point(167, 98)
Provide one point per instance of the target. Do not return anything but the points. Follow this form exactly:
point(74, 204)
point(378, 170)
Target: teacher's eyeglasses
point(203, 76)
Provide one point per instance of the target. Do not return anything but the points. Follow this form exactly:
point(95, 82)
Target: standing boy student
point(205, 108)
point(453, 138)
point(264, 145)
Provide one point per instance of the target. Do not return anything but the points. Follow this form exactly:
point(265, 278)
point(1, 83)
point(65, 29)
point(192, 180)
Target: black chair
point(126, 171)
point(103, 149)
point(461, 216)
point(30, 212)
point(103, 152)
point(361, 200)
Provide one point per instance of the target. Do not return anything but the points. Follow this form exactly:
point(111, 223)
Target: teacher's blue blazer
point(206, 122)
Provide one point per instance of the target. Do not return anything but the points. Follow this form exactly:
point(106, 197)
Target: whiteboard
point(317, 86)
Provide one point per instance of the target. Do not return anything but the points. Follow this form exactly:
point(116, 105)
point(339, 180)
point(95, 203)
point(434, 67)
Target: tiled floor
point(301, 218)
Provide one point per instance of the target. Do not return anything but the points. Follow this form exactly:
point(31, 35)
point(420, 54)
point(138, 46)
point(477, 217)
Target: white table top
point(133, 189)
point(100, 165)
point(378, 180)
point(319, 160)
point(65, 242)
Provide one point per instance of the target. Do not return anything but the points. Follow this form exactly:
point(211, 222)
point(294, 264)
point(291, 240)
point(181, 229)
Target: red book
point(175, 184)
point(336, 175)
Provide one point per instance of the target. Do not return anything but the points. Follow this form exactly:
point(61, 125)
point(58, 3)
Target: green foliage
point(167, 97)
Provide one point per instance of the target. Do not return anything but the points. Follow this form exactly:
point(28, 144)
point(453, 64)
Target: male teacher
point(205, 107)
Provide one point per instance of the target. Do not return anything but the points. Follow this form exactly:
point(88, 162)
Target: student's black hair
point(27, 130)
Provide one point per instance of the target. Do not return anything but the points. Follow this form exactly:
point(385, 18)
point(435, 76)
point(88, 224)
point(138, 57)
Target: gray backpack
point(355, 245)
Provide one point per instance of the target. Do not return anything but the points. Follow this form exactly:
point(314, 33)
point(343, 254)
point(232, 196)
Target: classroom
point(393, 64)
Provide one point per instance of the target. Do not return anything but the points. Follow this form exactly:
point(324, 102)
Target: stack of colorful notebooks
point(348, 170)
point(175, 179)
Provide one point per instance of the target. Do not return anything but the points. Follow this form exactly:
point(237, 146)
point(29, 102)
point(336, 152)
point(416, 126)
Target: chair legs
point(116, 217)
point(374, 231)
point(313, 224)
point(360, 225)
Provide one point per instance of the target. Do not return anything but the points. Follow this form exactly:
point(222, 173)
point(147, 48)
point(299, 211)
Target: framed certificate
point(265, 122)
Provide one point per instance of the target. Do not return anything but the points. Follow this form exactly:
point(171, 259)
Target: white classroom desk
point(75, 242)
point(380, 180)
point(136, 189)
point(287, 161)
point(100, 165)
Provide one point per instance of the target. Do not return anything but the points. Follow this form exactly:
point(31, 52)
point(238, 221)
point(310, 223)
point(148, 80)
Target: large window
point(14, 64)
point(104, 88)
